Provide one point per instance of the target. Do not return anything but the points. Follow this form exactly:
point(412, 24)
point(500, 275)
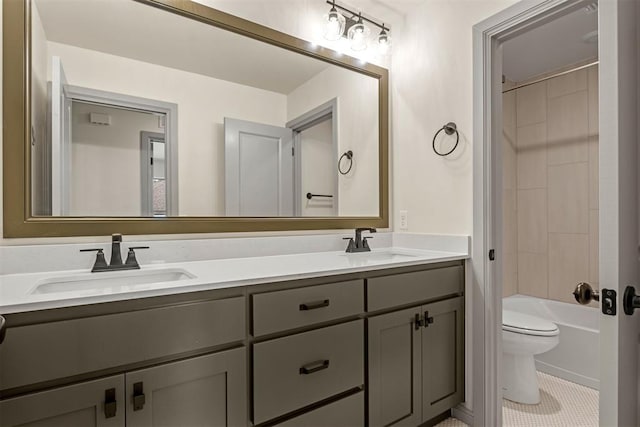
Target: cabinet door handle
point(138, 396)
point(110, 404)
point(418, 321)
point(314, 367)
point(314, 305)
point(427, 319)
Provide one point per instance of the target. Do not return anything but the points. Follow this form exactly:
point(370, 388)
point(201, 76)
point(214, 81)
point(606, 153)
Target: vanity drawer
point(407, 288)
point(295, 371)
point(48, 351)
point(294, 308)
point(347, 412)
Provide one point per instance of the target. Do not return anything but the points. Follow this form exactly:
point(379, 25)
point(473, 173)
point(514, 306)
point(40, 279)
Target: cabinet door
point(394, 369)
point(203, 391)
point(93, 403)
point(442, 357)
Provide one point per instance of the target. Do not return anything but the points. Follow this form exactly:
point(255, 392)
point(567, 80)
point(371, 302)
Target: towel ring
point(349, 156)
point(450, 128)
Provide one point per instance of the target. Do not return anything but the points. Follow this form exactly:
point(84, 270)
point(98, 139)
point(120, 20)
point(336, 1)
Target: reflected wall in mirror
point(137, 111)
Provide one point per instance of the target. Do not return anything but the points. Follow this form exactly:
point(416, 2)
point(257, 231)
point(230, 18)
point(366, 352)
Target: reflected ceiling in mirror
point(140, 112)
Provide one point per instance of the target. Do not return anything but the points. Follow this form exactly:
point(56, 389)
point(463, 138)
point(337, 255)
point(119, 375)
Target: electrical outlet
point(404, 220)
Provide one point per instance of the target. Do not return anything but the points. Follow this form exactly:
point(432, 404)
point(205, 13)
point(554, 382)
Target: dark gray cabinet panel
point(81, 404)
point(294, 308)
point(347, 412)
point(442, 357)
point(201, 391)
point(408, 288)
point(394, 363)
point(47, 351)
point(298, 370)
point(416, 373)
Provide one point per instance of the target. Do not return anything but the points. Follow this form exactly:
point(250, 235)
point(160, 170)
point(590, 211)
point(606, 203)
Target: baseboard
point(463, 413)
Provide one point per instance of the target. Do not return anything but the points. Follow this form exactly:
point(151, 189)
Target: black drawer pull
point(138, 397)
point(314, 367)
point(314, 305)
point(110, 404)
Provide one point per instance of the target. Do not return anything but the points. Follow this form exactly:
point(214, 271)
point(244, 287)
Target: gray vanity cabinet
point(97, 403)
point(202, 391)
point(415, 363)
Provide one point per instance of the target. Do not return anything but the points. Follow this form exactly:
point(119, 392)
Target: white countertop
point(17, 290)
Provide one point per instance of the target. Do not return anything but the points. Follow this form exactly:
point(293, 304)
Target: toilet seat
point(526, 324)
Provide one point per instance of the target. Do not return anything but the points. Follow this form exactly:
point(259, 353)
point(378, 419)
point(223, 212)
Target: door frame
point(303, 122)
point(146, 173)
point(129, 102)
point(618, 161)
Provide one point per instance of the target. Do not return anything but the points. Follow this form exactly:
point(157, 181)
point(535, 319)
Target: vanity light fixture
point(342, 22)
point(358, 35)
point(334, 24)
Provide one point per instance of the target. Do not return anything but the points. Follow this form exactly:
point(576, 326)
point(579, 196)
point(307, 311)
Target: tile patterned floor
point(563, 404)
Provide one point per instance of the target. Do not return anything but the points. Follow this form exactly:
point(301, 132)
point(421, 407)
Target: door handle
point(110, 404)
point(630, 301)
point(138, 396)
point(584, 293)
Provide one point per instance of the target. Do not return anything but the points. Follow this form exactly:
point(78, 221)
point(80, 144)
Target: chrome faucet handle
point(101, 262)
point(131, 256)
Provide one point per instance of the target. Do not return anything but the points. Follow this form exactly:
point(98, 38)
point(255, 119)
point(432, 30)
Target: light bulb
point(358, 35)
point(334, 24)
point(384, 42)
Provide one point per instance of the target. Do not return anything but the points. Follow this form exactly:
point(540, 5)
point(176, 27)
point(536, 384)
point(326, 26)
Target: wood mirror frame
point(18, 219)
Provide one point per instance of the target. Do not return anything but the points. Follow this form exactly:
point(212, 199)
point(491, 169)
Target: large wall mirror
point(166, 116)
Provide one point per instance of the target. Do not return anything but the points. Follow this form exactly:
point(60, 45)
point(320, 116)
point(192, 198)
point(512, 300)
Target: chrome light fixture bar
point(352, 26)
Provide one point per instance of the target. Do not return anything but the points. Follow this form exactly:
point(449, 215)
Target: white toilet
point(523, 336)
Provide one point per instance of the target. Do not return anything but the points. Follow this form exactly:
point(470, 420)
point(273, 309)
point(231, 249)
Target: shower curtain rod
point(562, 73)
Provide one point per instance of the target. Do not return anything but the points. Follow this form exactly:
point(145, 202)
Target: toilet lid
point(513, 321)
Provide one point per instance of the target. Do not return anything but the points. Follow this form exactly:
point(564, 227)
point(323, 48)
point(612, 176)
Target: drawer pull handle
point(138, 397)
point(110, 404)
point(314, 305)
point(314, 367)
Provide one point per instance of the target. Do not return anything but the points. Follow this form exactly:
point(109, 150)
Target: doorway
point(615, 210)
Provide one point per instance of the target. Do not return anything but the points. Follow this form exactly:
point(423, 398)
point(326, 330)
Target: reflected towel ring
point(450, 128)
point(349, 156)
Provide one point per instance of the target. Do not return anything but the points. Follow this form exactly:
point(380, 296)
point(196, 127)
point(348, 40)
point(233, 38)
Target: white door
point(619, 373)
point(258, 169)
point(619, 232)
point(60, 140)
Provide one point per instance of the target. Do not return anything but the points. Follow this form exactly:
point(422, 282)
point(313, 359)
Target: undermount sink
point(110, 281)
point(362, 258)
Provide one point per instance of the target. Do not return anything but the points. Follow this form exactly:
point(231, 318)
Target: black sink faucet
point(116, 257)
point(359, 244)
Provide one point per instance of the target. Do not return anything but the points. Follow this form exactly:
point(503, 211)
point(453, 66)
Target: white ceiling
point(133, 30)
point(551, 46)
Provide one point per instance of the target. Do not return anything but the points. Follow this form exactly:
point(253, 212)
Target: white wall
point(105, 161)
point(318, 172)
point(432, 80)
point(357, 131)
point(202, 101)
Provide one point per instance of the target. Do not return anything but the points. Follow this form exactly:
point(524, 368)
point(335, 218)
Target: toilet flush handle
point(584, 293)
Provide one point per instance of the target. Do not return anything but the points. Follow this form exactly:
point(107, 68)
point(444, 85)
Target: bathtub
point(577, 357)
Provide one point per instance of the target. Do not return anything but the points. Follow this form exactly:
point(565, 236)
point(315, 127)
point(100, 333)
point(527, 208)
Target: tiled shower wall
point(551, 186)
